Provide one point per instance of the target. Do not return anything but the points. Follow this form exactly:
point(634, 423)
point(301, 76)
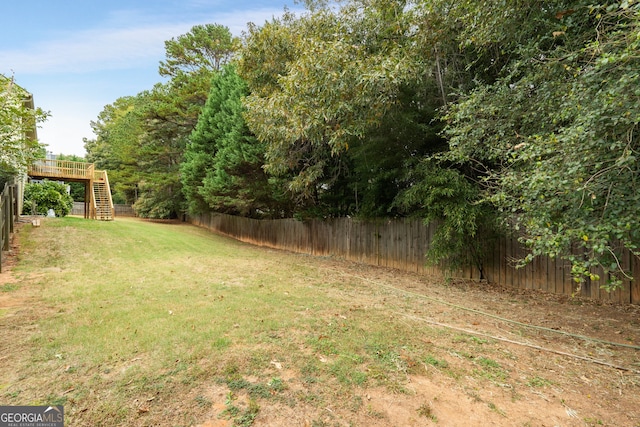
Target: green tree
point(554, 138)
point(207, 47)
point(47, 195)
point(159, 153)
point(18, 121)
point(467, 226)
point(171, 113)
point(141, 139)
point(342, 111)
point(316, 85)
point(223, 166)
point(118, 130)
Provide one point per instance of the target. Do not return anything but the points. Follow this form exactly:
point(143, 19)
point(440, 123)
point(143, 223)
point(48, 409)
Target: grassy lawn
point(151, 324)
point(136, 313)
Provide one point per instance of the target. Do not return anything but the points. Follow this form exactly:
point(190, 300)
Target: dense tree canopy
point(223, 165)
point(333, 85)
point(141, 139)
point(489, 117)
point(554, 138)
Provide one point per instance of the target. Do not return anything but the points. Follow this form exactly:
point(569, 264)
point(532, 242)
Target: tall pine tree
point(223, 164)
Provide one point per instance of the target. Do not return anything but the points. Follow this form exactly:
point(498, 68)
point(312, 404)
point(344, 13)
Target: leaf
point(562, 14)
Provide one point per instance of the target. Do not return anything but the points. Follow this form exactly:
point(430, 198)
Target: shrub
point(47, 195)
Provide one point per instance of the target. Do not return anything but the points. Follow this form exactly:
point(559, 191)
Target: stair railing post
point(108, 191)
point(92, 200)
point(6, 218)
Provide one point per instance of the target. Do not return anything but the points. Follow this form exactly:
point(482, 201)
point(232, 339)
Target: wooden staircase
point(102, 204)
point(98, 202)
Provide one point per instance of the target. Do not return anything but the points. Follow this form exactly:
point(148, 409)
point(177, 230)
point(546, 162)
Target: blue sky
point(76, 56)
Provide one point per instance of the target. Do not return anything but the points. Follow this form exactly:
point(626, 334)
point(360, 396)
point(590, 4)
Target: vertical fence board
point(403, 244)
point(624, 294)
point(508, 270)
point(539, 274)
point(8, 216)
point(522, 271)
point(502, 264)
point(635, 285)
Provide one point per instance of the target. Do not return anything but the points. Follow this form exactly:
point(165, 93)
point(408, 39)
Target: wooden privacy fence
point(9, 212)
point(124, 210)
point(403, 243)
point(118, 209)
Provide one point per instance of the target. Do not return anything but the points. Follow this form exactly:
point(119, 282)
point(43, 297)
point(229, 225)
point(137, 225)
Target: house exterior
point(18, 132)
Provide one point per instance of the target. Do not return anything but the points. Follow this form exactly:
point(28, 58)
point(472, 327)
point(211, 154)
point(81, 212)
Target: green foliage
point(77, 191)
point(159, 151)
point(47, 195)
point(160, 198)
point(466, 230)
point(141, 139)
point(18, 121)
point(223, 165)
point(382, 164)
point(479, 115)
point(317, 84)
point(208, 46)
point(343, 113)
point(6, 175)
point(70, 157)
point(556, 138)
point(118, 129)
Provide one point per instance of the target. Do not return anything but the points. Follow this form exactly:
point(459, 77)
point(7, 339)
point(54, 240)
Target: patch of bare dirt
point(569, 361)
point(18, 312)
point(564, 367)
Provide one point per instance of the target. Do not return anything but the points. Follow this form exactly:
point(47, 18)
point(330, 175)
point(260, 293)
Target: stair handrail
point(92, 198)
point(101, 175)
point(108, 189)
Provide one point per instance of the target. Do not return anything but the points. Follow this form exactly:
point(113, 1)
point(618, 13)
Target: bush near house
point(47, 195)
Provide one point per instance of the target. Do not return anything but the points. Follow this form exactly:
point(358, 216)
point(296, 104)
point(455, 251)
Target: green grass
point(538, 382)
point(490, 369)
point(138, 314)
point(9, 287)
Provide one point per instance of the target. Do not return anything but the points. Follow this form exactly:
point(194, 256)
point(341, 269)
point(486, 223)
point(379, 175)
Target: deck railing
point(78, 171)
point(61, 169)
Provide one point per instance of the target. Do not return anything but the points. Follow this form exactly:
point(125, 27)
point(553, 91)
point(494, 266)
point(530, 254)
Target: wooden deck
point(98, 203)
point(63, 169)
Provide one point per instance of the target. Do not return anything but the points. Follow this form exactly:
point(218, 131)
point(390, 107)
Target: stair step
point(103, 209)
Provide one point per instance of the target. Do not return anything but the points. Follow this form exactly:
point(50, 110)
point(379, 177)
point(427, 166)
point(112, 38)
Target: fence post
point(2, 219)
point(6, 220)
point(12, 212)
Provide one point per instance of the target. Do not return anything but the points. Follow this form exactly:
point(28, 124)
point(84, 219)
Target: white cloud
point(74, 74)
point(115, 47)
point(90, 51)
